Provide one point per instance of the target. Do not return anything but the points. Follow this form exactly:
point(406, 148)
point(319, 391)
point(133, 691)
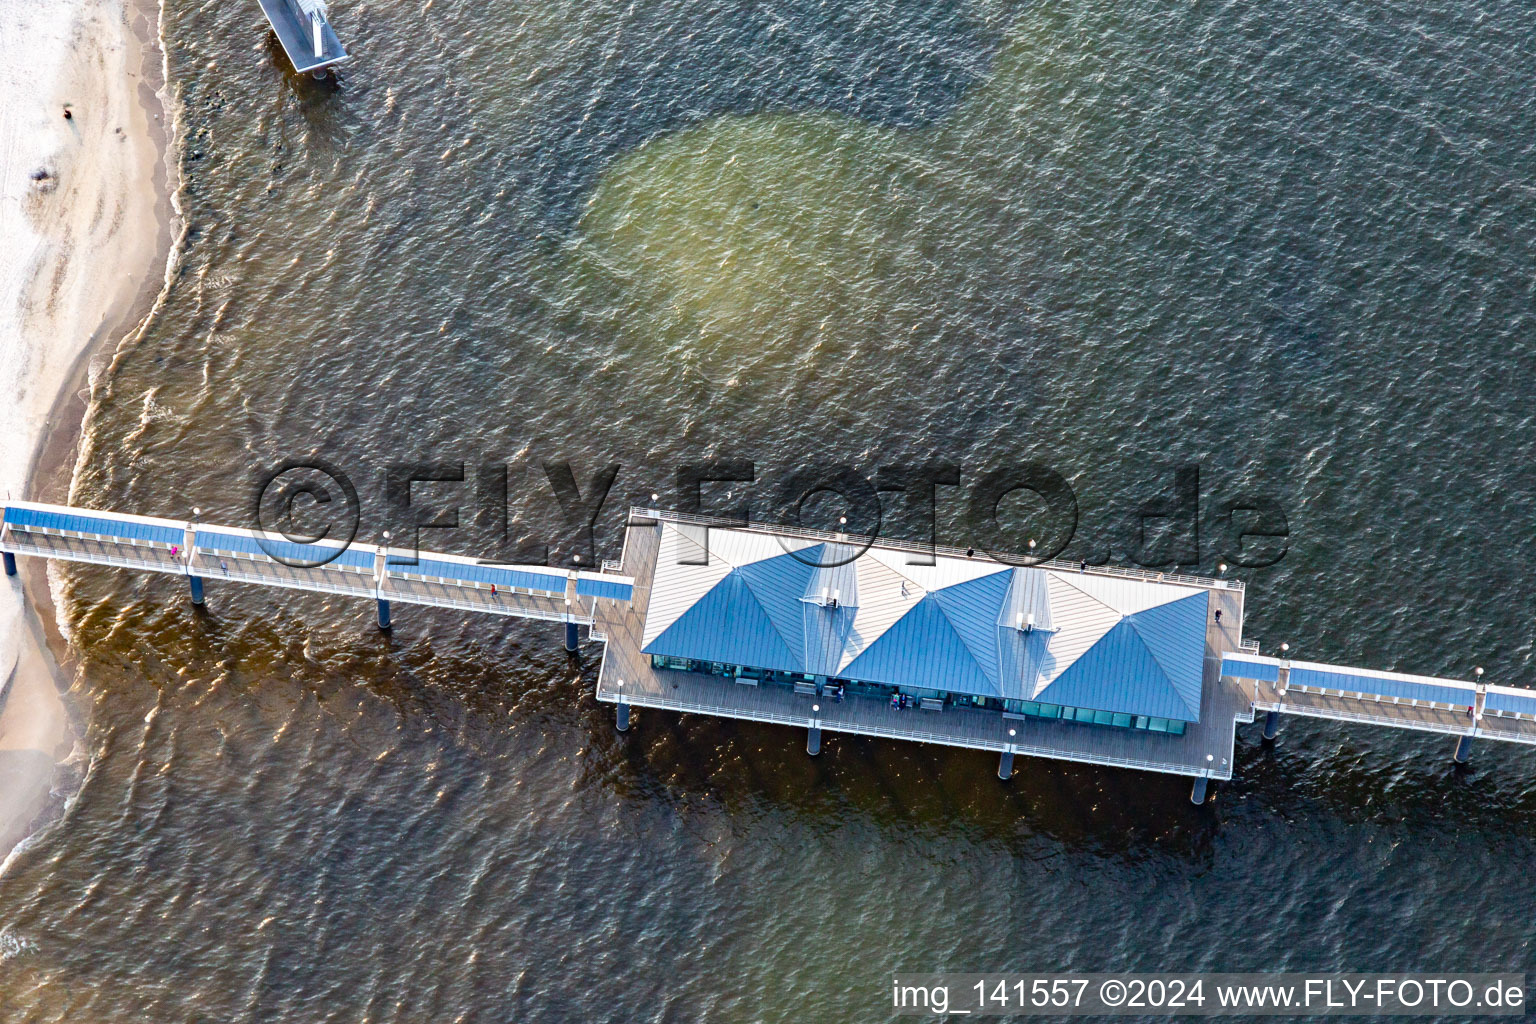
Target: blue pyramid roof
point(777, 583)
point(730, 624)
point(923, 648)
point(1150, 663)
point(1175, 634)
point(959, 639)
point(972, 608)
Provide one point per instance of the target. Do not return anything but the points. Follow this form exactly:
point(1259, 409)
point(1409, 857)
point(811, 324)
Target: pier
point(206, 554)
point(629, 677)
point(830, 633)
point(307, 37)
point(1466, 710)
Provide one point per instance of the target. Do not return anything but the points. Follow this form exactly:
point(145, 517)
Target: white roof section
point(1125, 595)
point(1081, 622)
point(884, 597)
point(683, 545)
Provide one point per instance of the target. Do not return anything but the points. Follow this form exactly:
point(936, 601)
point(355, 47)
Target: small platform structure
point(306, 35)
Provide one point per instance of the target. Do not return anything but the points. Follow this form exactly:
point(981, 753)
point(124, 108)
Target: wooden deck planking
point(1383, 712)
point(534, 606)
point(1509, 730)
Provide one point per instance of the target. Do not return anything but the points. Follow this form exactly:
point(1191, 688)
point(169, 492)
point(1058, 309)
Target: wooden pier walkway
point(204, 552)
point(1395, 700)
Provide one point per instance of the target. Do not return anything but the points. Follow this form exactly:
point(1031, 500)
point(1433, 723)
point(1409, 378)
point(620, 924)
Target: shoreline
point(105, 228)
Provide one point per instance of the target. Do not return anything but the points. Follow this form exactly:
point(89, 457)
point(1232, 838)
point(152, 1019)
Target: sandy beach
point(87, 210)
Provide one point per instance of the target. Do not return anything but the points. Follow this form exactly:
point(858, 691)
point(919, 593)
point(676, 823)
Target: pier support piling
point(383, 614)
point(10, 564)
point(1271, 724)
point(1005, 766)
point(196, 583)
point(1197, 795)
point(621, 717)
point(813, 741)
point(570, 636)
point(1463, 748)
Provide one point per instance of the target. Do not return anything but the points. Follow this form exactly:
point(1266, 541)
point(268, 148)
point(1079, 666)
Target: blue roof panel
point(610, 589)
point(1175, 636)
point(1028, 596)
point(1021, 658)
point(477, 572)
point(923, 649)
point(1240, 668)
point(777, 584)
point(1120, 672)
point(287, 551)
point(1405, 689)
point(973, 608)
point(833, 573)
point(1522, 703)
point(826, 636)
point(101, 526)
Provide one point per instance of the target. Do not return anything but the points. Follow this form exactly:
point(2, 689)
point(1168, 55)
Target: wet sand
point(95, 193)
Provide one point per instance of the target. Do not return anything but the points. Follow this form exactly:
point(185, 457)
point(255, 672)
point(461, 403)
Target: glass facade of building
point(1030, 709)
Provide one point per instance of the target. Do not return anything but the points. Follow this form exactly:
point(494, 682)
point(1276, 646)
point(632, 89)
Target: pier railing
point(1380, 716)
point(829, 720)
point(202, 552)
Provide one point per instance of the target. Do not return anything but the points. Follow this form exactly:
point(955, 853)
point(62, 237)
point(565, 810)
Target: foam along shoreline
point(87, 214)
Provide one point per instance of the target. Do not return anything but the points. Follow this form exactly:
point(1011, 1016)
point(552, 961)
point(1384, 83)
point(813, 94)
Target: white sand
point(84, 252)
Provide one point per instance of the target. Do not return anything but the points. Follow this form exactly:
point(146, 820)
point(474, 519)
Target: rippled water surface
point(1292, 243)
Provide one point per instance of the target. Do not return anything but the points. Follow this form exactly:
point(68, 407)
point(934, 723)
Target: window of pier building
point(884, 691)
point(1092, 716)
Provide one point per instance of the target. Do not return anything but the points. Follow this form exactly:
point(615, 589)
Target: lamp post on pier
point(1197, 795)
point(1464, 742)
point(380, 573)
point(1282, 680)
point(189, 544)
